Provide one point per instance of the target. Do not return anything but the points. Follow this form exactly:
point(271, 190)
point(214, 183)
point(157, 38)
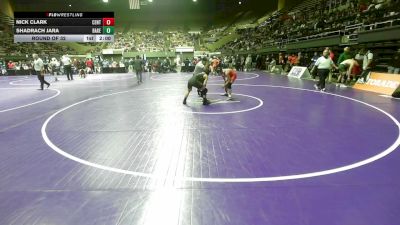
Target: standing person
point(219, 67)
point(272, 65)
point(138, 66)
point(314, 59)
point(238, 62)
point(199, 81)
point(130, 67)
point(345, 55)
point(360, 56)
point(178, 64)
point(281, 59)
point(331, 53)
point(367, 65)
point(54, 65)
point(214, 65)
point(186, 66)
point(149, 66)
point(281, 63)
point(38, 69)
point(242, 63)
point(199, 69)
point(76, 65)
point(332, 56)
point(394, 64)
point(267, 61)
point(324, 65)
point(248, 63)
point(258, 62)
point(89, 65)
point(10, 65)
point(230, 77)
point(312, 64)
point(66, 61)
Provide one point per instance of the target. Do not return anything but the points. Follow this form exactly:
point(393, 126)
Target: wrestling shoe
point(206, 102)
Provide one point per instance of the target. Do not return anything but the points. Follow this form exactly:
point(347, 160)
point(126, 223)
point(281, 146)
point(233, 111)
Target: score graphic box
point(64, 27)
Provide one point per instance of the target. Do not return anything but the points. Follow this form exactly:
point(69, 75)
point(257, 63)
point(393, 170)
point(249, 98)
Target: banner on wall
point(382, 83)
point(299, 72)
point(112, 51)
point(184, 49)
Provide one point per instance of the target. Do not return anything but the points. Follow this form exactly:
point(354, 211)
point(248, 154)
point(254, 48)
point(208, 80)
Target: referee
point(324, 65)
point(38, 69)
point(138, 66)
point(66, 61)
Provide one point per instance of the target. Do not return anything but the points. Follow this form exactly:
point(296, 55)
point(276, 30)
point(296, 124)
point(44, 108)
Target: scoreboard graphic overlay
point(64, 27)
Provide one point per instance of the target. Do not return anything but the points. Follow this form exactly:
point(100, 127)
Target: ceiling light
point(70, 5)
point(105, 1)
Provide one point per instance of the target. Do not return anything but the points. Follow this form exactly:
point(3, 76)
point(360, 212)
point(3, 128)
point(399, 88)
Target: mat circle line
point(58, 92)
point(364, 162)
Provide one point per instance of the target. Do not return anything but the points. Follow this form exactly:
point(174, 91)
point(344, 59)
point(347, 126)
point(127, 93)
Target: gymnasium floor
point(108, 151)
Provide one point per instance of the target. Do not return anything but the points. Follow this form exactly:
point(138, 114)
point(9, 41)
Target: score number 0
point(108, 21)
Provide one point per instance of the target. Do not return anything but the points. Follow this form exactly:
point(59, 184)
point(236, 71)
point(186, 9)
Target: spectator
point(248, 63)
point(394, 64)
point(345, 55)
point(368, 64)
point(55, 67)
point(360, 56)
point(11, 65)
point(138, 66)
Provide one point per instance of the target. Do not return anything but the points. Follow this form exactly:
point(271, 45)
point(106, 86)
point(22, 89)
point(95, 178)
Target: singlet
point(232, 75)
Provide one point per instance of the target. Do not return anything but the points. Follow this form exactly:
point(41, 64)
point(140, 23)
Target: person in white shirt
point(38, 69)
point(54, 65)
point(248, 63)
point(367, 65)
point(199, 68)
point(178, 64)
point(324, 65)
point(346, 69)
point(66, 61)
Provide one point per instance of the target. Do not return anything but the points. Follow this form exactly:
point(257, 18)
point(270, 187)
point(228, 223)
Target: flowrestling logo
point(384, 83)
point(64, 15)
point(380, 83)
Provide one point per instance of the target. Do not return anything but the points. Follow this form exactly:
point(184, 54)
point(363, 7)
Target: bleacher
point(306, 6)
point(316, 19)
point(148, 41)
